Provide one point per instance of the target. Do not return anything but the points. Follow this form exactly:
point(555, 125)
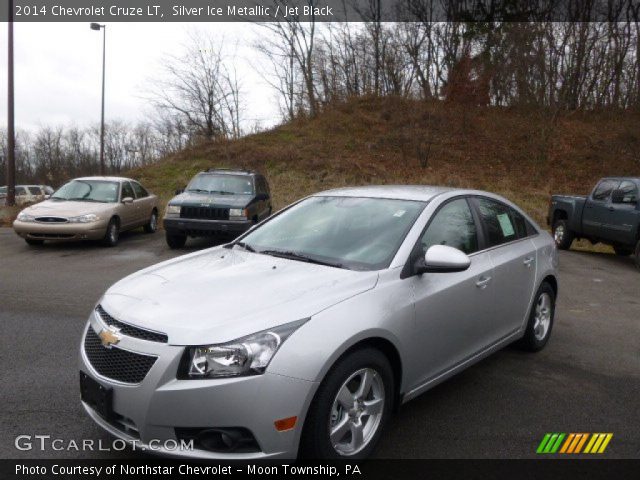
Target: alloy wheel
point(542, 318)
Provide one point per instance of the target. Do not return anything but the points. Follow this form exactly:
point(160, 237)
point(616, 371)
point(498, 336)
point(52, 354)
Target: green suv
point(217, 202)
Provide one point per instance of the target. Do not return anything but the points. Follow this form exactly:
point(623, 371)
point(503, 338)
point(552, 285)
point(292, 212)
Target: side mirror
point(619, 196)
point(127, 200)
point(442, 259)
point(179, 191)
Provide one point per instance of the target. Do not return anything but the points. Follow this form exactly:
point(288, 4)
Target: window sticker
point(505, 225)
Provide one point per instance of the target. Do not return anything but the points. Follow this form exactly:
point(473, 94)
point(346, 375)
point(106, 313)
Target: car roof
point(422, 193)
point(107, 179)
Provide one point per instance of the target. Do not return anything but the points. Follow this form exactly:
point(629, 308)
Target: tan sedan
point(89, 208)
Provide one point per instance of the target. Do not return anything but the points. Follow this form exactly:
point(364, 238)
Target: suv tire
point(176, 241)
point(562, 235)
point(623, 251)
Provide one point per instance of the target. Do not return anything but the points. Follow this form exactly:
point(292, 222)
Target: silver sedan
point(300, 337)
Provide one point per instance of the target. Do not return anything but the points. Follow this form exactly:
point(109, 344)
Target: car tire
point(327, 411)
point(112, 235)
point(562, 236)
point(540, 321)
point(623, 251)
point(32, 242)
point(637, 255)
point(152, 224)
point(176, 241)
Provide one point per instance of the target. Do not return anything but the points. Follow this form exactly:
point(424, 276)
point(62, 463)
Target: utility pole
point(98, 27)
point(11, 134)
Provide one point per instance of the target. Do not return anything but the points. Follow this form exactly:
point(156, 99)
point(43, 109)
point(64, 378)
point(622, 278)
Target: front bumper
point(200, 228)
point(60, 231)
point(154, 408)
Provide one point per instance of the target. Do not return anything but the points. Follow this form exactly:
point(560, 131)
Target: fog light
point(285, 424)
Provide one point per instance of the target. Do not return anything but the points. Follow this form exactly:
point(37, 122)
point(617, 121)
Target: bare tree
point(200, 87)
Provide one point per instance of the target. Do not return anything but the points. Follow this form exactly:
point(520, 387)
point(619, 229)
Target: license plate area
point(96, 396)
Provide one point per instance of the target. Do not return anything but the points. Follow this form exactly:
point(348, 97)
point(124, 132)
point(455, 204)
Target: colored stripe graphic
point(573, 443)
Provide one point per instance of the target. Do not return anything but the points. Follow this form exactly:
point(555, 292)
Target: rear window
point(502, 223)
point(35, 190)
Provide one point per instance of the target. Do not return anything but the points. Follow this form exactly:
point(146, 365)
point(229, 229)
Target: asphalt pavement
point(587, 379)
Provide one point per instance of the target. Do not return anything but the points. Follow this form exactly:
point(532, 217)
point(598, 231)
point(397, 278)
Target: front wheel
point(176, 241)
point(540, 320)
point(623, 251)
point(562, 235)
point(351, 407)
point(112, 235)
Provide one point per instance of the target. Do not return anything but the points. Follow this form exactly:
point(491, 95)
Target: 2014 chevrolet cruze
point(301, 336)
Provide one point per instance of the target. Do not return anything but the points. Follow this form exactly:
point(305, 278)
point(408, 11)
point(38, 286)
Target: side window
point(20, 191)
point(139, 189)
point(265, 186)
point(629, 192)
point(453, 226)
point(259, 187)
point(604, 189)
point(34, 190)
point(127, 191)
point(501, 222)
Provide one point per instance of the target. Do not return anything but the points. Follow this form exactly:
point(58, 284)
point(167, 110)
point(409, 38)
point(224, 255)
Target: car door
point(142, 202)
point(128, 215)
point(452, 309)
point(625, 215)
point(513, 256)
point(597, 218)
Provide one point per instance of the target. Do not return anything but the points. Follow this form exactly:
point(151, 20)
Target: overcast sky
point(58, 70)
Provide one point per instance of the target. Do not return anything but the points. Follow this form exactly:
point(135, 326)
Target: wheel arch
point(553, 281)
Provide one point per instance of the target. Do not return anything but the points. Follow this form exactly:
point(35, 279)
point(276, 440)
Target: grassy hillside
point(525, 155)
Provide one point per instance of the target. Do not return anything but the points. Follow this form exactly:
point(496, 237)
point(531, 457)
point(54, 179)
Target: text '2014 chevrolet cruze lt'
point(302, 335)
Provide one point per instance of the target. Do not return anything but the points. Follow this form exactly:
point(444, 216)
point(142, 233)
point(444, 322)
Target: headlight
point(173, 209)
point(84, 218)
point(23, 217)
point(246, 356)
point(238, 212)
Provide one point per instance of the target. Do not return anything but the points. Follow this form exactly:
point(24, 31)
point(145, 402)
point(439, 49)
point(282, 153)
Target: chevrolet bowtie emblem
point(109, 337)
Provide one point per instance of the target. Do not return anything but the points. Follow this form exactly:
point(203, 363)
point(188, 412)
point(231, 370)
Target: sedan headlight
point(23, 217)
point(246, 356)
point(84, 218)
point(173, 209)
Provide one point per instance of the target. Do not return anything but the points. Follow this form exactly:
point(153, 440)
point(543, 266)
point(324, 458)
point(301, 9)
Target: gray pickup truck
point(610, 214)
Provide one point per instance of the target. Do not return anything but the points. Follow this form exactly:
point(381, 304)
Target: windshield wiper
point(300, 257)
point(222, 192)
point(246, 246)
point(198, 190)
point(83, 199)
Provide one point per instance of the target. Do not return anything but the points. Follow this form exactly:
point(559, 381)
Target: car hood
point(220, 295)
point(67, 208)
point(205, 199)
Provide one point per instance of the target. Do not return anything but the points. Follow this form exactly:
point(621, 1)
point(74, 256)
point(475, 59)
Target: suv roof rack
point(223, 169)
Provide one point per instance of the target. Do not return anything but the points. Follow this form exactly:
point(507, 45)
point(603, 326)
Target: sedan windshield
point(347, 232)
point(222, 184)
point(88, 191)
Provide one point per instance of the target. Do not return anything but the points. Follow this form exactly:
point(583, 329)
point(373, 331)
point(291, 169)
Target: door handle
point(528, 261)
point(483, 282)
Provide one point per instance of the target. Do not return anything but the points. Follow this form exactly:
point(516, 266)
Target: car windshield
point(88, 191)
point(347, 232)
point(223, 184)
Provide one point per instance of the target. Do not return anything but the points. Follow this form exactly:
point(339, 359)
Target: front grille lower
point(204, 213)
point(114, 363)
point(130, 330)
point(51, 220)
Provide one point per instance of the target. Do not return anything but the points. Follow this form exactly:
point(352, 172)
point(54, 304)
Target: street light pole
point(97, 26)
point(11, 134)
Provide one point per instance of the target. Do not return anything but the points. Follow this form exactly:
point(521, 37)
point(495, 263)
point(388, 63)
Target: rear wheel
point(540, 320)
point(623, 251)
point(351, 407)
point(112, 235)
point(176, 241)
point(34, 242)
point(152, 224)
point(562, 235)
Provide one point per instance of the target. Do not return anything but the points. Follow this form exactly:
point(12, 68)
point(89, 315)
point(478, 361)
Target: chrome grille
point(130, 330)
point(115, 363)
